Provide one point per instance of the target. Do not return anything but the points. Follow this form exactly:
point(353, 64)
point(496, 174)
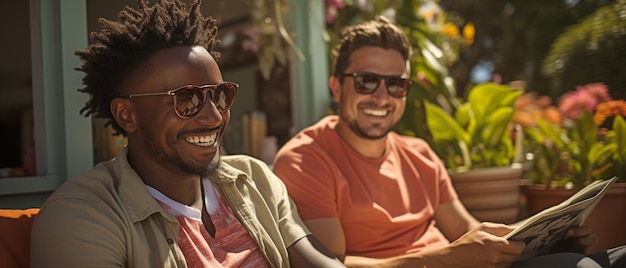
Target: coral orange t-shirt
point(386, 205)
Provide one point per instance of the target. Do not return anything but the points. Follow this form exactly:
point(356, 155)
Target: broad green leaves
point(481, 124)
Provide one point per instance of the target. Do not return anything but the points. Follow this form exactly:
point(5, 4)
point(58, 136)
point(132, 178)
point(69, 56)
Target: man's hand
point(577, 239)
point(484, 246)
point(580, 236)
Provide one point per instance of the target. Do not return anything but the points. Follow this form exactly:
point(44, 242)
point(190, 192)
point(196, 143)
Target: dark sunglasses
point(367, 83)
point(189, 99)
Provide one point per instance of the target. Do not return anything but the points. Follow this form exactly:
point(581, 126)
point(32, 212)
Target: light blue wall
point(311, 97)
point(78, 136)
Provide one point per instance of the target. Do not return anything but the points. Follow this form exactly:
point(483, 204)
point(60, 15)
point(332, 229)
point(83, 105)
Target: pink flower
point(573, 104)
point(251, 40)
point(599, 90)
point(584, 98)
point(421, 77)
point(335, 3)
point(332, 9)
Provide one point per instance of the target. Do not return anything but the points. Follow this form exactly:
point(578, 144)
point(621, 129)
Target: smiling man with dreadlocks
point(169, 198)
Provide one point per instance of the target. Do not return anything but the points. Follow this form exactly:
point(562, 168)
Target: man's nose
point(209, 112)
point(381, 91)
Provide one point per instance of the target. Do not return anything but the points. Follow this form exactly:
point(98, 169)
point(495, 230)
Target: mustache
point(371, 104)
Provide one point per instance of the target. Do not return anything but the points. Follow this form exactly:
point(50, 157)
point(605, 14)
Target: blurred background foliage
point(593, 49)
point(514, 37)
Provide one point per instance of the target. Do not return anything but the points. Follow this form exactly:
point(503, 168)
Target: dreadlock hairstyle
point(121, 46)
point(376, 33)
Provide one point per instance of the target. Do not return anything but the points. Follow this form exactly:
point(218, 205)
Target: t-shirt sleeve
point(309, 178)
point(447, 192)
point(444, 183)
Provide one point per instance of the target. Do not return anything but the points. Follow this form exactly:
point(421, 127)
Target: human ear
point(335, 87)
point(123, 112)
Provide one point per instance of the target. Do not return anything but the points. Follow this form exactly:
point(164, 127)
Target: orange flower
point(524, 118)
point(530, 107)
point(607, 109)
point(553, 115)
point(449, 29)
point(469, 31)
point(543, 102)
point(524, 101)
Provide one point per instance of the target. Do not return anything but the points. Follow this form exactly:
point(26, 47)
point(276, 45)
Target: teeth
point(375, 112)
point(202, 140)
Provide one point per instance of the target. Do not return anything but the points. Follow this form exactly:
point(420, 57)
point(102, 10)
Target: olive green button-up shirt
point(107, 218)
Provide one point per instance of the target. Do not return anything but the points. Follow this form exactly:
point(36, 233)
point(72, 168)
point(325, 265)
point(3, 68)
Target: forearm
point(310, 252)
point(481, 247)
point(453, 220)
point(433, 258)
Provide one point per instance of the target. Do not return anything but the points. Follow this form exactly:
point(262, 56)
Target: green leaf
point(485, 98)
point(462, 114)
point(551, 132)
point(586, 131)
point(510, 98)
point(443, 126)
point(599, 153)
point(495, 128)
point(619, 130)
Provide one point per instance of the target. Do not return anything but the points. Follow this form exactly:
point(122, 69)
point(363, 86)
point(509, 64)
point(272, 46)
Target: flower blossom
point(332, 9)
point(599, 90)
point(529, 107)
point(251, 40)
point(608, 109)
point(584, 98)
point(469, 31)
point(451, 30)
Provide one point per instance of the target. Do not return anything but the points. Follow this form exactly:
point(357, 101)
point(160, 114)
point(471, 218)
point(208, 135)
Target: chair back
point(15, 227)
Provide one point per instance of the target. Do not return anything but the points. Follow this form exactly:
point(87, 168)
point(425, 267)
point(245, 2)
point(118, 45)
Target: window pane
point(16, 99)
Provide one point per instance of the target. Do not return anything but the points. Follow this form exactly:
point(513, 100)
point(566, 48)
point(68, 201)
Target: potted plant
point(580, 140)
point(476, 145)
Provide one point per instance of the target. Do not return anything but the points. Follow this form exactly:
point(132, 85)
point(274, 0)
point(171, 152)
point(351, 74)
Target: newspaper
point(544, 229)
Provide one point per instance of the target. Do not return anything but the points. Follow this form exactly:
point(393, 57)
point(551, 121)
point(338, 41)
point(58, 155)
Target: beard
point(184, 164)
point(363, 132)
point(373, 131)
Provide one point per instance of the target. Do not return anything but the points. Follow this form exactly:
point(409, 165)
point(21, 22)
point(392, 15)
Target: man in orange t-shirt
point(376, 198)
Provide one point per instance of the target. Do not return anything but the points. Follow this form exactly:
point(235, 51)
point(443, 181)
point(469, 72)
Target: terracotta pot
point(607, 220)
point(490, 194)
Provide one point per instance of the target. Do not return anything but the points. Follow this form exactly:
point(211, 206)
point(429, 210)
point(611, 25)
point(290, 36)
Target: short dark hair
point(379, 32)
point(121, 46)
